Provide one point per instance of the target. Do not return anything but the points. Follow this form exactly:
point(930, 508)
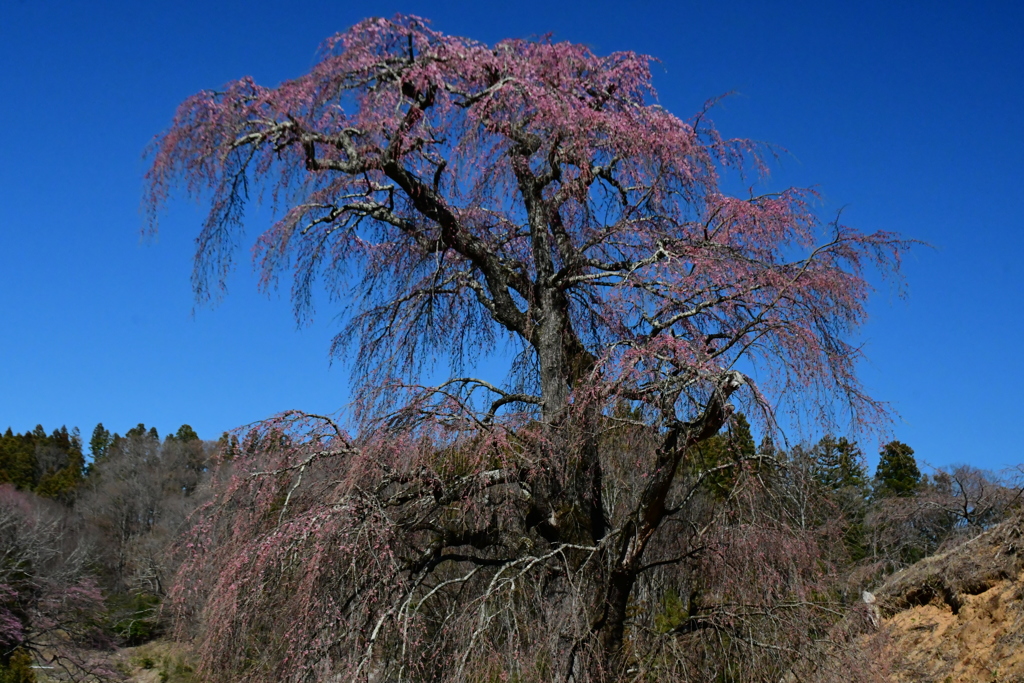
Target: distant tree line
point(900, 515)
point(50, 465)
point(886, 521)
point(87, 544)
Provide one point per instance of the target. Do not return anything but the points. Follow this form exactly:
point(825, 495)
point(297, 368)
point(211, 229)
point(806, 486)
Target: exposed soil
point(957, 616)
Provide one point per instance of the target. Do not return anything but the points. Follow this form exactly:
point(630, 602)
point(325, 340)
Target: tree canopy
point(452, 193)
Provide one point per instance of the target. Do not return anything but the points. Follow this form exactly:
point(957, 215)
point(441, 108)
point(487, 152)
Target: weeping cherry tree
point(525, 205)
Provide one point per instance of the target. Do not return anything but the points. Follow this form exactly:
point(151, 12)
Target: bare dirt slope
point(957, 616)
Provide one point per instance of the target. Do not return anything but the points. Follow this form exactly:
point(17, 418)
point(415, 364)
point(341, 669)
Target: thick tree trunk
point(576, 505)
point(611, 634)
point(609, 627)
point(554, 372)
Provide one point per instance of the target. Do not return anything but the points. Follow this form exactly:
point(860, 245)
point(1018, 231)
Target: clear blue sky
point(910, 115)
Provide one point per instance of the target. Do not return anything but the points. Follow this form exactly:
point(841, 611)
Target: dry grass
point(160, 661)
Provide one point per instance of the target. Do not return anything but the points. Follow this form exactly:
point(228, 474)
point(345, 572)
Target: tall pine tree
point(897, 473)
point(839, 464)
point(99, 443)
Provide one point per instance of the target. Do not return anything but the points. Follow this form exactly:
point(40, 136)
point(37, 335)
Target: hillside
point(956, 616)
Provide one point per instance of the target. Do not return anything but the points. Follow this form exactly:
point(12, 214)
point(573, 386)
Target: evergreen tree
point(897, 473)
point(228, 446)
point(99, 443)
point(838, 467)
point(137, 431)
point(839, 464)
point(186, 433)
point(50, 465)
point(735, 444)
point(61, 465)
point(17, 460)
point(740, 438)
